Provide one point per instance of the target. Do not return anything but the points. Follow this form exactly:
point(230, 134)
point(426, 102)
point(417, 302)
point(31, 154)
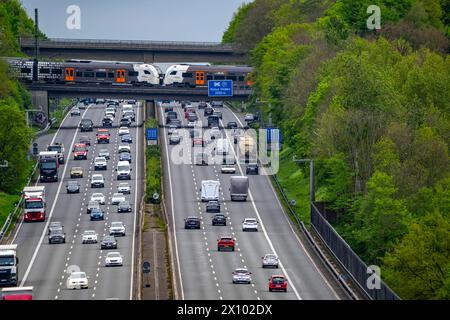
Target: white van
point(210, 190)
point(127, 107)
point(222, 147)
point(123, 170)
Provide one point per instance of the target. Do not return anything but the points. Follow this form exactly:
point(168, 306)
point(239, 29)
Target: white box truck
point(210, 190)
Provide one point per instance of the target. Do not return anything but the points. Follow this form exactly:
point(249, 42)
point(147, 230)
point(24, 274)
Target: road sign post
point(151, 135)
point(220, 88)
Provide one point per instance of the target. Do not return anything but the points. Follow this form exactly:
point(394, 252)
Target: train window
point(241, 78)
point(219, 78)
point(187, 74)
point(25, 70)
point(88, 74)
point(133, 73)
point(100, 75)
point(209, 77)
point(44, 70)
point(232, 78)
point(56, 71)
point(110, 74)
point(79, 74)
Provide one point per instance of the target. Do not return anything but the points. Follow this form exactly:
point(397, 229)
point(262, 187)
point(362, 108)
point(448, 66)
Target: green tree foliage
point(235, 25)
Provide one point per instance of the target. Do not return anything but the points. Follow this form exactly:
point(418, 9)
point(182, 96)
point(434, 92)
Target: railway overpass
point(134, 50)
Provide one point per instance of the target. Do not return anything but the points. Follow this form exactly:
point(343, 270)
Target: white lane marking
point(33, 258)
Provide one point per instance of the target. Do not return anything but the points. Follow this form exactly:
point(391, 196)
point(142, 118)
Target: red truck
point(80, 151)
point(103, 136)
point(34, 205)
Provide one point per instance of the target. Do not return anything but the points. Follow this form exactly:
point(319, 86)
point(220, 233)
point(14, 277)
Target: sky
point(158, 20)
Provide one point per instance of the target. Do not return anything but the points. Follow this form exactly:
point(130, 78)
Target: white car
point(110, 111)
point(215, 133)
point(113, 259)
point(75, 111)
point(242, 275)
point(99, 197)
point(104, 153)
point(117, 198)
point(89, 236)
point(228, 168)
point(100, 163)
point(250, 224)
point(97, 181)
point(172, 129)
point(191, 124)
point(270, 260)
point(124, 148)
point(124, 131)
point(117, 228)
point(124, 188)
point(77, 280)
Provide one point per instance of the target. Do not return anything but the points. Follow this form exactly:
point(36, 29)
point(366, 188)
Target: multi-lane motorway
point(201, 271)
point(46, 266)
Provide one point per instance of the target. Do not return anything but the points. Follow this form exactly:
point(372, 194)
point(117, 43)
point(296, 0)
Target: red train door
point(69, 74)
point(120, 76)
point(200, 78)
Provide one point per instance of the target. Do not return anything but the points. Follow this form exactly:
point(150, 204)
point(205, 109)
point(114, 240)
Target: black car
point(92, 205)
point(171, 115)
point(232, 125)
point(219, 220)
point(125, 122)
point(56, 236)
point(86, 125)
point(125, 156)
point(192, 223)
point(208, 111)
point(107, 122)
point(252, 168)
point(96, 214)
point(73, 187)
point(216, 104)
point(108, 242)
point(129, 114)
point(202, 105)
point(124, 206)
point(213, 206)
point(126, 138)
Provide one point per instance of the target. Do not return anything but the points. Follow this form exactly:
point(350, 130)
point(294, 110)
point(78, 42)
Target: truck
point(247, 150)
point(17, 293)
point(34, 204)
point(210, 190)
point(48, 166)
point(9, 261)
point(58, 147)
point(222, 147)
point(239, 188)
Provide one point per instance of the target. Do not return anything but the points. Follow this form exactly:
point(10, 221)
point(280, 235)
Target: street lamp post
point(312, 195)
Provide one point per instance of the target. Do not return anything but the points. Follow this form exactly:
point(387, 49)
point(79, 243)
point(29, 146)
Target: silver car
point(124, 188)
point(242, 275)
point(270, 260)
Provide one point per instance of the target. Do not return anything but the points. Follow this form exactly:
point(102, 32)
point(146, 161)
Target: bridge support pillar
point(150, 110)
point(40, 102)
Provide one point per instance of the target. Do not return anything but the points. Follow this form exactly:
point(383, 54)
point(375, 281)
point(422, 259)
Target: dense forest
point(372, 108)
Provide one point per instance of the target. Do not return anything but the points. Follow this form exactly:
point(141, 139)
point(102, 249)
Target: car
point(124, 148)
point(92, 204)
point(172, 129)
point(99, 197)
point(232, 125)
point(192, 222)
point(228, 168)
point(125, 122)
point(277, 283)
point(208, 111)
point(213, 206)
point(100, 163)
point(192, 117)
point(252, 168)
point(124, 188)
point(225, 242)
point(123, 131)
point(195, 133)
point(124, 170)
point(218, 114)
point(117, 228)
point(73, 187)
point(104, 153)
point(86, 125)
point(202, 105)
point(75, 111)
point(100, 101)
point(85, 140)
point(55, 225)
point(124, 206)
point(191, 124)
point(125, 156)
point(176, 123)
point(216, 104)
point(126, 138)
point(219, 220)
point(110, 111)
point(97, 214)
point(56, 236)
point(109, 116)
point(76, 172)
point(97, 181)
point(250, 224)
point(175, 138)
point(107, 122)
point(270, 260)
point(103, 136)
point(89, 236)
point(201, 159)
point(116, 198)
point(129, 114)
point(171, 115)
point(215, 133)
point(113, 259)
point(199, 142)
point(108, 242)
point(132, 101)
point(242, 275)
point(77, 280)
point(80, 151)
point(249, 117)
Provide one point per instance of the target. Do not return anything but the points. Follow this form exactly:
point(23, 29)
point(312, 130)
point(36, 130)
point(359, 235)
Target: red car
point(103, 136)
point(198, 142)
point(80, 151)
point(225, 242)
point(278, 283)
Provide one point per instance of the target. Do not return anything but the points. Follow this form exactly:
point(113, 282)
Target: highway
point(204, 273)
point(46, 266)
